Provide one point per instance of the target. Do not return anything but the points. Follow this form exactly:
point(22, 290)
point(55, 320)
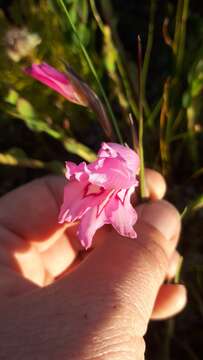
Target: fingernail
point(161, 215)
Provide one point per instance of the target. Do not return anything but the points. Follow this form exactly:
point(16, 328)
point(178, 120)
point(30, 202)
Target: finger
point(152, 213)
point(170, 301)
point(174, 263)
point(155, 185)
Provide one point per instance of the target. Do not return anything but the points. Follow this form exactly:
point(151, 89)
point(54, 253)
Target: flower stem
point(141, 150)
point(92, 69)
point(150, 39)
point(135, 141)
point(182, 35)
point(120, 67)
point(123, 66)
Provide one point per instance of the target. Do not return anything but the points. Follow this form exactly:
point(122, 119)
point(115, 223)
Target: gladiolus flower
point(73, 88)
point(56, 80)
point(100, 193)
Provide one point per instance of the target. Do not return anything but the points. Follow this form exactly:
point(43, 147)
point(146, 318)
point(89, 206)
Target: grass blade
point(92, 69)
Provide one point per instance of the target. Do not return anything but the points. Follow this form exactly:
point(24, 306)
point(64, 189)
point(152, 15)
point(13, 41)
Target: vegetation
point(162, 88)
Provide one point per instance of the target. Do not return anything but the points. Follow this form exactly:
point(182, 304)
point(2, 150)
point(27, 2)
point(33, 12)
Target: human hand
point(101, 308)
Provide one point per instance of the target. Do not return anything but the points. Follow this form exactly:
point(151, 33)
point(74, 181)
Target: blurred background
point(39, 129)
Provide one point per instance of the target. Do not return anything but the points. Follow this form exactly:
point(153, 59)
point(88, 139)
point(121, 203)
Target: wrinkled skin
point(100, 308)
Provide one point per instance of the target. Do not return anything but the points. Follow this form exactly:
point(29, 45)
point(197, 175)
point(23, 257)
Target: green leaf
point(197, 87)
point(25, 108)
point(186, 100)
point(26, 112)
point(12, 97)
point(79, 149)
point(196, 204)
point(17, 157)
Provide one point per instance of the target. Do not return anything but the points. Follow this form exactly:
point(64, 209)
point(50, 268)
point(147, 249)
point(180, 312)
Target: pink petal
point(100, 193)
point(105, 201)
point(45, 69)
point(89, 224)
point(56, 80)
point(121, 195)
point(128, 155)
point(78, 172)
point(79, 197)
point(71, 207)
point(107, 150)
point(122, 215)
point(113, 174)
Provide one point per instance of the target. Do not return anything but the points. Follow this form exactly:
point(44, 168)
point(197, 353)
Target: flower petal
point(100, 193)
point(128, 155)
point(71, 207)
point(78, 172)
point(79, 197)
point(122, 215)
point(89, 224)
point(45, 69)
point(56, 80)
point(113, 174)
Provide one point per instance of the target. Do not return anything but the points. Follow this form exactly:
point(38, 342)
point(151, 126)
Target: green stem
point(97, 16)
point(123, 67)
point(129, 96)
point(178, 271)
point(135, 142)
point(120, 67)
point(177, 26)
point(170, 327)
point(181, 47)
point(141, 150)
point(119, 81)
point(92, 69)
point(150, 39)
point(154, 113)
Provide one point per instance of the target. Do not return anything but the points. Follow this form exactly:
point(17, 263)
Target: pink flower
point(73, 88)
point(100, 193)
point(57, 81)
